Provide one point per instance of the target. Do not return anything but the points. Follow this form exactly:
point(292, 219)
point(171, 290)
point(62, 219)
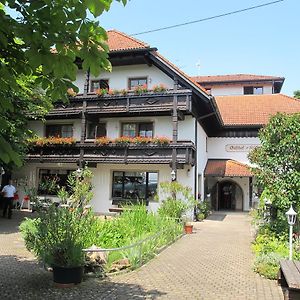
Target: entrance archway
point(227, 195)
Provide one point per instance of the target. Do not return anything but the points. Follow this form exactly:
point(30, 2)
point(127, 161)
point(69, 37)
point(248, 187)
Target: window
point(134, 185)
point(99, 84)
point(250, 90)
point(95, 129)
point(137, 129)
point(134, 82)
point(59, 130)
point(208, 90)
point(50, 180)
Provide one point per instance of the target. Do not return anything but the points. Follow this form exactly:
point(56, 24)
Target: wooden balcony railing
point(115, 153)
point(149, 102)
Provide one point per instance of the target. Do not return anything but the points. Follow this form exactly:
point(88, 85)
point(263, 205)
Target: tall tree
point(32, 73)
point(278, 163)
point(297, 94)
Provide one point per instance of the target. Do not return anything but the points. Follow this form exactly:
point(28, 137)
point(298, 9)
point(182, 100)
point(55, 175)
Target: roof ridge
point(289, 97)
point(146, 45)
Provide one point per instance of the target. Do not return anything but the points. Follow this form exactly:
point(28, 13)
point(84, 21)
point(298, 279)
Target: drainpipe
point(175, 129)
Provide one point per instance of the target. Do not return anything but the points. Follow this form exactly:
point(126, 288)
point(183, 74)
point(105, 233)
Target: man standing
point(8, 192)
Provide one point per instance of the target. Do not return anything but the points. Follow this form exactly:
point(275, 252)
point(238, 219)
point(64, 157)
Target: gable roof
point(243, 110)
point(226, 167)
point(119, 41)
point(235, 78)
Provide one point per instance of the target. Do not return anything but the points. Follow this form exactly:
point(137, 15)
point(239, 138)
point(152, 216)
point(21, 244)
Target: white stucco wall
point(38, 127)
point(219, 148)
point(102, 180)
point(202, 155)
point(223, 90)
point(118, 78)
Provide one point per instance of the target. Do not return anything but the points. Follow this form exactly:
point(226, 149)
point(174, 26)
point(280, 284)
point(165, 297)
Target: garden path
point(213, 263)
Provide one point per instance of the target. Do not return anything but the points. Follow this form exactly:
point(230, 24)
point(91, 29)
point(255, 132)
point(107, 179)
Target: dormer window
point(253, 90)
point(99, 84)
point(135, 82)
point(59, 130)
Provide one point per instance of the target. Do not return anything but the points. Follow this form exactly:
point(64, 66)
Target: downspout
point(175, 130)
point(83, 118)
point(196, 161)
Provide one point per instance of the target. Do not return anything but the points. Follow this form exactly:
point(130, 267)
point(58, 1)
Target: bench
point(289, 279)
point(116, 209)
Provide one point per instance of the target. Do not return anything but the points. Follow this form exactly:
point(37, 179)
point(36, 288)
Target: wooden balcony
point(147, 103)
point(115, 153)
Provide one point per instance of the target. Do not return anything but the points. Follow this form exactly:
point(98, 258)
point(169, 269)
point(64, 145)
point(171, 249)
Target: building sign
point(239, 148)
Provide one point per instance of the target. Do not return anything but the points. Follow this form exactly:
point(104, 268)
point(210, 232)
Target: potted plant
point(59, 234)
point(187, 224)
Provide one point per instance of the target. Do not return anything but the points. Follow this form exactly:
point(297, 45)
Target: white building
point(210, 136)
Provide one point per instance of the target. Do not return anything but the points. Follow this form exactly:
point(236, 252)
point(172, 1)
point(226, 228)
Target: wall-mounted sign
point(239, 147)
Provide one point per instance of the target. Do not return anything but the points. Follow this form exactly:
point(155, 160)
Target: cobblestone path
point(212, 263)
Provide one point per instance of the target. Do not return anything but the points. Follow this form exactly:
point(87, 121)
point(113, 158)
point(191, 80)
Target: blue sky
point(262, 41)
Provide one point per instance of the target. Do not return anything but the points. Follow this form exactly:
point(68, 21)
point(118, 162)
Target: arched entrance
point(227, 195)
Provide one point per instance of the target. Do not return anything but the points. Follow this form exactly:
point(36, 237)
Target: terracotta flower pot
point(188, 228)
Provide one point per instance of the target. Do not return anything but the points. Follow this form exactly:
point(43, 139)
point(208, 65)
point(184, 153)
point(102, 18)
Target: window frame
point(58, 125)
point(136, 78)
point(89, 123)
point(92, 90)
point(137, 129)
point(122, 198)
point(253, 87)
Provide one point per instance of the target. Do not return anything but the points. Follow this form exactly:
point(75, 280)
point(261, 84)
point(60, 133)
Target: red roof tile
point(233, 78)
point(226, 167)
point(254, 109)
point(118, 41)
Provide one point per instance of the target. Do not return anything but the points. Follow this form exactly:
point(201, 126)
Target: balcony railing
point(115, 153)
point(148, 102)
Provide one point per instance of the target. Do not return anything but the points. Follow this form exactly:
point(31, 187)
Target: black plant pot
point(67, 275)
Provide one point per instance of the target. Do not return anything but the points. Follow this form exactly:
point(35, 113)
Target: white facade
point(237, 89)
point(118, 78)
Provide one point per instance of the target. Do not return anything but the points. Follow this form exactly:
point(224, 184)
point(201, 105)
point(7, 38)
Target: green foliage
point(58, 236)
point(132, 226)
point(79, 192)
point(31, 72)
point(267, 265)
point(278, 164)
point(203, 209)
point(176, 199)
point(297, 94)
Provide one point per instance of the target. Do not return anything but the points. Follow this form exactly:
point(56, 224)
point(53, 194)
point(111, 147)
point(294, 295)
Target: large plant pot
point(188, 228)
point(67, 276)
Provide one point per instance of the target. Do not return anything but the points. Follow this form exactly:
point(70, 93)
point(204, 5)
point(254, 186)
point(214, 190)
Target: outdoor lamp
point(291, 218)
point(173, 175)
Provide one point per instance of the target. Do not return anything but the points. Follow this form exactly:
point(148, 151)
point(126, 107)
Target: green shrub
point(172, 208)
point(267, 265)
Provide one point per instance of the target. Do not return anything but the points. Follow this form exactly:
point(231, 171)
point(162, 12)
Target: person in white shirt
point(8, 192)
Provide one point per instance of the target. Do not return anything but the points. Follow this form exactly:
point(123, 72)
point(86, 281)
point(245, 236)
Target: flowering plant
point(140, 89)
point(159, 88)
point(141, 140)
point(161, 140)
point(101, 92)
point(103, 140)
point(124, 140)
point(42, 141)
point(71, 92)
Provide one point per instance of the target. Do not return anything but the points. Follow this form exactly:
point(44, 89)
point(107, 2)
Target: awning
point(226, 167)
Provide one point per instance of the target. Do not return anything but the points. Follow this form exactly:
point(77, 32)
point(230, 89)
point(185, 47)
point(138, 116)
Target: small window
point(208, 90)
point(137, 129)
point(99, 84)
point(134, 82)
point(258, 90)
point(96, 130)
point(50, 180)
point(250, 90)
point(59, 130)
point(134, 185)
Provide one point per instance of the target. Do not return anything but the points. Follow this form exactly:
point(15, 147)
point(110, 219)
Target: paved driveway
point(213, 263)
